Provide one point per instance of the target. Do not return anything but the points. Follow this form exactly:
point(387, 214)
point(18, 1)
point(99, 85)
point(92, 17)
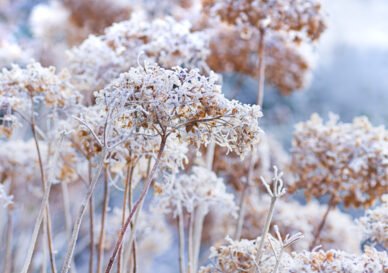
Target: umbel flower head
point(301, 18)
point(348, 161)
point(22, 90)
point(98, 60)
point(200, 188)
point(154, 101)
point(285, 67)
point(375, 223)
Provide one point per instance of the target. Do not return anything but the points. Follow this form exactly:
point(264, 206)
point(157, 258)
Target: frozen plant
point(195, 194)
point(346, 161)
point(295, 20)
point(169, 43)
point(375, 223)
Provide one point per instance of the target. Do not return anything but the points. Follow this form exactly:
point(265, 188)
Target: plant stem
point(8, 244)
point(67, 213)
point(210, 154)
point(137, 206)
point(241, 211)
point(278, 261)
point(77, 224)
point(200, 214)
point(266, 229)
point(91, 221)
point(190, 246)
point(47, 217)
point(261, 79)
point(100, 255)
point(181, 232)
point(35, 232)
point(330, 205)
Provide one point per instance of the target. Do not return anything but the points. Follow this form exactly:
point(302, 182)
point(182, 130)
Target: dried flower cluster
point(285, 67)
point(346, 160)
point(100, 59)
point(23, 90)
point(111, 152)
point(375, 223)
point(151, 100)
point(202, 189)
point(303, 18)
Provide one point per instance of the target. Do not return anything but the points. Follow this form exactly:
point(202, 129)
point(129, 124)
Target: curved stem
point(330, 205)
point(137, 206)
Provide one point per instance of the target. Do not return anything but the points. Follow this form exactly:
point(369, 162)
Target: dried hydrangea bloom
point(96, 15)
point(375, 223)
point(69, 21)
point(98, 60)
point(199, 188)
point(301, 18)
point(268, 153)
point(334, 261)
point(24, 90)
point(152, 100)
point(240, 256)
point(348, 161)
point(285, 67)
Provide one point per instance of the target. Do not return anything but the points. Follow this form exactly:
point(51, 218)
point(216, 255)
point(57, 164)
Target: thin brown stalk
point(137, 206)
point(91, 221)
point(317, 234)
point(77, 224)
point(100, 256)
point(261, 79)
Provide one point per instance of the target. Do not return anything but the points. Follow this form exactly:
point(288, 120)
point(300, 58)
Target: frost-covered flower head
point(286, 67)
point(301, 18)
point(334, 261)
point(27, 90)
point(346, 160)
point(98, 60)
point(201, 188)
point(154, 101)
point(241, 256)
point(375, 223)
